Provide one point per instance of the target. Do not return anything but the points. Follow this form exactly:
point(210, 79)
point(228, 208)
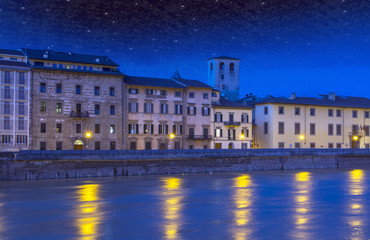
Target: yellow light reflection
point(172, 206)
point(302, 204)
point(242, 201)
point(356, 177)
point(356, 206)
point(88, 213)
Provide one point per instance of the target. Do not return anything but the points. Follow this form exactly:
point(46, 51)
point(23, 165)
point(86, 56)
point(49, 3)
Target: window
point(42, 87)
point(42, 146)
point(192, 110)
point(6, 123)
point(280, 145)
point(97, 146)
point(297, 111)
point(55, 65)
point(59, 88)
point(312, 112)
point(133, 107)
point(231, 117)
point(60, 65)
point(205, 111)
point(265, 128)
point(90, 68)
point(177, 94)
point(312, 129)
point(231, 66)
point(281, 110)
point(97, 128)
point(367, 114)
point(133, 128)
point(132, 145)
point(78, 89)
point(354, 113)
point(149, 92)
point(214, 94)
point(78, 128)
point(7, 77)
point(112, 110)
point(218, 117)
point(297, 128)
point(97, 91)
point(43, 107)
point(13, 59)
point(205, 95)
point(245, 132)
point(148, 129)
point(78, 107)
point(43, 128)
point(223, 86)
point(21, 123)
point(222, 77)
point(97, 109)
point(191, 94)
point(111, 91)
point(367, 130)
point(312, 145)
point(21, 78)
point(281, 127)
point(245, 118)
point(211, 66)
point(59, 108)
point(163, 93)
point(7, 92)
point(163, 129)
point(222, 66)
point(112, 145)
point(339, 113)
point(231, 134)
point(59, 128)
point(355, 128)
point(58, 146)
point(164, 108)
point(6, 107)
point(22, 139)
point(218, 132)
point(330, 112)
point(133, 91)
point(297, 145)
point(112, 129)
point(178, 109)
point(20, 108)
point(177, 129)
point(21, 93)
point(330, 145)
point(339, 130)
point(339, 145)
point(265, 110)
point(6, 139)
point(148, 145)
point(330, 129)
point(148, 107)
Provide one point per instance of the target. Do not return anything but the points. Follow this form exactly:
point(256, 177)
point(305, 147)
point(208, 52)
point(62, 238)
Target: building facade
point(76, 101)
point(301, 122)
point(223, 74)
point(15, 80)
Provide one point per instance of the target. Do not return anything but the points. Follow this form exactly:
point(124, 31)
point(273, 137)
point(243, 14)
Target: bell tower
point(223, 74)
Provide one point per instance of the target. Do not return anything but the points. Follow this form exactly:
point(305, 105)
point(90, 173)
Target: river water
point(320, 204)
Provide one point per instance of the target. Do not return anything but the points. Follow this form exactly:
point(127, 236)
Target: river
point(319, 204)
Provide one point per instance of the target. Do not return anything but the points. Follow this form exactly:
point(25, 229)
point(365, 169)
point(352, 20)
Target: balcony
point(232, 124)
point(79, 114)
point(199, 137)
point(358, 134)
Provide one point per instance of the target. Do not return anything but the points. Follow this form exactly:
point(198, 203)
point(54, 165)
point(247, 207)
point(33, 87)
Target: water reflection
point(2, 222)
point(356, 204)
point(88, 211)
point(242, 202)
point(172, 206)
point(302, 204)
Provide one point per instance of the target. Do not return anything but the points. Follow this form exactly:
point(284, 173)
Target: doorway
point(78, 145)
point(162, 146)
point(231, 146)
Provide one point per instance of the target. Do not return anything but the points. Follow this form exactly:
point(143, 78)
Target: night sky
point(305, 46)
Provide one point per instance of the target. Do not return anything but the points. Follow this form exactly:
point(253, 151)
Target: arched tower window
point(231, 66)
point(222, 66)
point(211, 67)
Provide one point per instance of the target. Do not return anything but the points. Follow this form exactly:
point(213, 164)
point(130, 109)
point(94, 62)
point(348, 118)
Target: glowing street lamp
point(301, 137)
point(88, 135)
point(242, 138)
point(355, 138)
point(172, 136)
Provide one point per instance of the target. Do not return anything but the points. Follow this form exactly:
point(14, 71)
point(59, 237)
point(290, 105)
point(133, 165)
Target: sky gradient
point(305, 46)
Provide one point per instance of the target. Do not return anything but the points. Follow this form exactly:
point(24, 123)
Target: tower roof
point(176, 75)
point(224, 58)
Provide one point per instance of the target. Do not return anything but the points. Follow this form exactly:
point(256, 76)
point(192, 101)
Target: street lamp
point(172, 136)
point(301, 137)
point(355, 138)
point(242, 138)
point(88, 135)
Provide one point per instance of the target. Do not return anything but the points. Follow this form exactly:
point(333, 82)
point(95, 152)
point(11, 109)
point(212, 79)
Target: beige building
point(76, 101)
point(231, 124)
point(305, 122)
point(167, 113)
point(15, 78)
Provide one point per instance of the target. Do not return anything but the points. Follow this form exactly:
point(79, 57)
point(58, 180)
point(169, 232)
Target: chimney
point(46, 54)
point(331, 96)
point(292, 96)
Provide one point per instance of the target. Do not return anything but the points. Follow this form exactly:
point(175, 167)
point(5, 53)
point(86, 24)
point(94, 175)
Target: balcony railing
point(79, 114)
point(232, 123)
point(200, 137)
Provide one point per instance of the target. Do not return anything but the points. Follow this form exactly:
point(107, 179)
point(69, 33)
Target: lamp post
point(172, 136)
point(301, 137)
point(88, 136)
point(242, 138)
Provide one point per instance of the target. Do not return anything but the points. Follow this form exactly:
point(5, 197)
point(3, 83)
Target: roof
point(68, 57)
point(153, 82)
point(323, 100)
point(77, 70)
point(224, 57)
point(11, 52)
point(192, 83)
point(13, 63)
point(227, 103)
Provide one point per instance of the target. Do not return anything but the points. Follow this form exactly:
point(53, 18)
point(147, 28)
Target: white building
point(223, 74)
point(15, 101)
point(328, 121)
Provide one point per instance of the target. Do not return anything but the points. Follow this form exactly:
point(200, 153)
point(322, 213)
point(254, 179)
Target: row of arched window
point(222, 66)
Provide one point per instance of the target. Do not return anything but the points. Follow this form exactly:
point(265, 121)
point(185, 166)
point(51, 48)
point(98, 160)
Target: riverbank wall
point(32, 165)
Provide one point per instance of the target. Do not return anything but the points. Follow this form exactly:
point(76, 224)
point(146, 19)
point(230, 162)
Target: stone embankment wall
point(29, 165)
